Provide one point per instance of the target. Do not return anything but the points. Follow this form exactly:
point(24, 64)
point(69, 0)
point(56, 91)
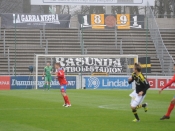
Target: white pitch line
point(114, 107)
point(27, 108)
point(122, 107)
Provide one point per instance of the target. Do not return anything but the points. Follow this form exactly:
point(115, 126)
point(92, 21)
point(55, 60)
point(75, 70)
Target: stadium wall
point(166, 23)
point(88, 82)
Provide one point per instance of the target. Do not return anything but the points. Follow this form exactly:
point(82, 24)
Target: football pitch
point(92, 110)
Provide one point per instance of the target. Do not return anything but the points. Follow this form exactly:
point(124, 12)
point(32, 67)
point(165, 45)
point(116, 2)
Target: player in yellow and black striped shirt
point(139, 93)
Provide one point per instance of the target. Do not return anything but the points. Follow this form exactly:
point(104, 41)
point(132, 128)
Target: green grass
point(92, 110)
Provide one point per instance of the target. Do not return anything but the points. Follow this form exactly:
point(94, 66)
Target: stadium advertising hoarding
point(4, 82)
point(95, 2)
point(117, 82)
point(121, 82)
point(103, 21)
point(159, 82)
point(26, 82)
point(99, 82)
point(35, 21)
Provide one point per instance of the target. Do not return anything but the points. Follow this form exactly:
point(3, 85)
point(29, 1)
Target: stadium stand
point(169, 40)
point(67, 42)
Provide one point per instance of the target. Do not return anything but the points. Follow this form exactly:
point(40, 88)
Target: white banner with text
point(95, 2)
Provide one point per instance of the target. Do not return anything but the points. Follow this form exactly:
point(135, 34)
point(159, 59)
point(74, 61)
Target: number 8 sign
point(97, 21)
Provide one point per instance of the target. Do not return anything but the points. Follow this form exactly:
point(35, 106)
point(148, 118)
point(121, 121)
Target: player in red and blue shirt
point(172, 104)
point(63, 83)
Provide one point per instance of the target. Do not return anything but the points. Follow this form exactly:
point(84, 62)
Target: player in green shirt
point(48, 75)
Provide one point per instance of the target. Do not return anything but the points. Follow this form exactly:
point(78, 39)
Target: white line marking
point(114, 107)
point(122, 107)
point(28, 108)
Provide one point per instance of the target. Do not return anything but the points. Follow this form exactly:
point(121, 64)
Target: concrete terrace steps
point(67, 42)
point(37, 39)
point(51, 37)
point(30, 57)
point(76, 44)
point(112, 30)
point(168, 36)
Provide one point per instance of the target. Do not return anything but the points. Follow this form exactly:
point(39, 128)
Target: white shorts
point(135, 99)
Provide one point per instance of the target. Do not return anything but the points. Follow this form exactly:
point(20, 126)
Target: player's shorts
point(48, 78)
point(136, 99)
point(63, 88)
point(174, 97)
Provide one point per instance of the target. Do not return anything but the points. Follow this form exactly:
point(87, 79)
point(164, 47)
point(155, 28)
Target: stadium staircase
point(67, 42)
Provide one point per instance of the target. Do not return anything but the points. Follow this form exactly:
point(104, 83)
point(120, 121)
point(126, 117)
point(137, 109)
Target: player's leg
point(134, 111)
point(145, 105)
point(170, 108)
point(46, 81)
point(65, 97)
point(142, 105)
point(134, 104)
point(62, 90)
point(49, 81)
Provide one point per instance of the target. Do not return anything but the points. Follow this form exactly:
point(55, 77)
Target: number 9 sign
point(123, 21)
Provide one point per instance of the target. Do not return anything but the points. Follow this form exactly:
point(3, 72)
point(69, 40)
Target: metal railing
point(166, 60)
point(164, 16)
point(46, 50)
point(8, 59)
point(121, 47)
point(4, 42)
point(115, 37)
point(11, 68)
point(41, 38)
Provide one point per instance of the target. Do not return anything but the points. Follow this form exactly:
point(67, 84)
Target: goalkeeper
point(48, 76)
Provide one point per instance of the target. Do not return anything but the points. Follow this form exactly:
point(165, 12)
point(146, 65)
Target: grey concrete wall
point(166, 23)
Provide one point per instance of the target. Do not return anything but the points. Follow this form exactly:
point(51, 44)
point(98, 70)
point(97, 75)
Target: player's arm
point(51, 71)
point(168, 84)
point(55, 74)
point(145, 87)
point(44, 72)
point(131, 79)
